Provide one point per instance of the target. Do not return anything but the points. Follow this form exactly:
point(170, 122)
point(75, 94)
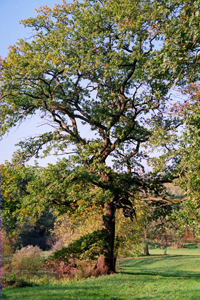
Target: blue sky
point(11, 12)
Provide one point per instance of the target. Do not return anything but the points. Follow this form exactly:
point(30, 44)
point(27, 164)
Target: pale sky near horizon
point(11, 12)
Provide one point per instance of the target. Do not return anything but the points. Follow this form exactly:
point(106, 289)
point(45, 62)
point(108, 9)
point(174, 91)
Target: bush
point(191, 246)
point(27, 259)
point(72, 270)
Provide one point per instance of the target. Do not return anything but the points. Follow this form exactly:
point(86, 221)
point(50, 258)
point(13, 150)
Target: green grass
point(172, 251)
point(158, 277)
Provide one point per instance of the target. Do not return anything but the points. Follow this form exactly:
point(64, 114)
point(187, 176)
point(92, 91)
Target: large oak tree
point(103, 67)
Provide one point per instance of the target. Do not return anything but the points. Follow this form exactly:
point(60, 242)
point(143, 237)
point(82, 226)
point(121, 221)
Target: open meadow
point(175, 276)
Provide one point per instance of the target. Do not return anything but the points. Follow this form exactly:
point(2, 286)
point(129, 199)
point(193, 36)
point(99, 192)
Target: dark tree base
point(146, 252)
point(102, 269)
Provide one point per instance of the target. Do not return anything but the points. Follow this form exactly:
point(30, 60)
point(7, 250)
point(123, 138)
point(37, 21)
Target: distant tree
point(157, 223)
point(27, 230)
point(190, 162)
point(182, 156)
point(105, 67)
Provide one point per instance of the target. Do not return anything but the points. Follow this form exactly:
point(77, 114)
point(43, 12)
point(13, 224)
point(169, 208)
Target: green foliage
point(110, 49)
point(127, 236)
point(190, 181)
point(14, 180)
point(69, 229)
point(187, 162)
point(181, 157)
point(28, 226)
point(191, 246)
point(88, 246)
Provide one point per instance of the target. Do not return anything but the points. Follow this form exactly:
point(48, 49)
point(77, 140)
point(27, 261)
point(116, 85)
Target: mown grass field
point(172, 277)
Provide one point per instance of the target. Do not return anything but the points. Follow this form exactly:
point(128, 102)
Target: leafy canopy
point(103, 67)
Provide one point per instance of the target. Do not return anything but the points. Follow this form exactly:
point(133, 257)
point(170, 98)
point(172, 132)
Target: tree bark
point(106, 264)
point(146, 248)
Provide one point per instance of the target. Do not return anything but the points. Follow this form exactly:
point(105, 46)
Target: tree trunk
point(146, 247)
point(106, 264)
point(146, 250)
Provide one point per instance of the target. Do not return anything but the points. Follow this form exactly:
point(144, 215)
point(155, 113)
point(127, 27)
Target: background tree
point(190, 162)
point(181, 156)
point(157, 224)
point(16, 221)
point(97, 66)
point(14, 180)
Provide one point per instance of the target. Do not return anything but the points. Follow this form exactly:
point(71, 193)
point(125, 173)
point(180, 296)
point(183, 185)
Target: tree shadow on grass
point(168, 266)
point(164, 274)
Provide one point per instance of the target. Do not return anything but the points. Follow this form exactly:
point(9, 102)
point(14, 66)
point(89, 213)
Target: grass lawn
point(172, 251)
point(172, 277)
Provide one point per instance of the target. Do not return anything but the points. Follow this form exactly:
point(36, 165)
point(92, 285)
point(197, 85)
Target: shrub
point(72, 270)
point(192, 246)
point(27, 259)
